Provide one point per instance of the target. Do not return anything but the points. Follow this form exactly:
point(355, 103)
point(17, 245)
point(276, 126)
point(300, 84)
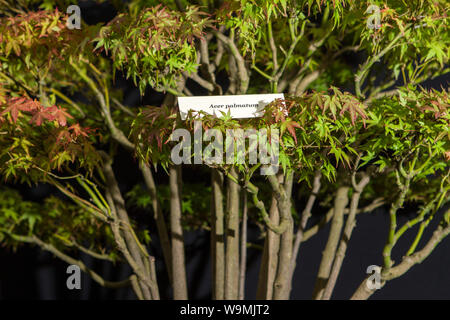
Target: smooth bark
point(232, 240)
point(328, 255)
point(176, 233)
point(269, 260)
point(217, 236)
point(349, 226)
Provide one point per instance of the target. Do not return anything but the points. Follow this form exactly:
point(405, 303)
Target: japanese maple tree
point(352, 137)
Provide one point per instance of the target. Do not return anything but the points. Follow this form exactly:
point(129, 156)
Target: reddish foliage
point(38, 112)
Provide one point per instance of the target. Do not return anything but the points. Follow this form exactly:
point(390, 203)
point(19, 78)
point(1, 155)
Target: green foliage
point(61, 115)
point(37, 139)
point(154, 46)
point(57, 222)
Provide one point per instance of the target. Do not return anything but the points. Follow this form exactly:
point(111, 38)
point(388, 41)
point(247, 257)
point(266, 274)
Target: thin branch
point(159, 218)
point(95, 276)
point(364, 68)
point(364, 293)
point(304, 220)
point(123, 108)
point(308, 234)
point(349, 226)
point(341, 201)
point(244, 78)
point(204, 83)
point(115, 132)
point(91, 253)
point(68, 100)
point(273, 47)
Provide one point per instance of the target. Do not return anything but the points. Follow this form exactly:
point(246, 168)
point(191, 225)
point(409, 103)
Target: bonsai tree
point(351, 137)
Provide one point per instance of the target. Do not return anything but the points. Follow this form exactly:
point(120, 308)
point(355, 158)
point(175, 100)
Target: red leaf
point(19, 104)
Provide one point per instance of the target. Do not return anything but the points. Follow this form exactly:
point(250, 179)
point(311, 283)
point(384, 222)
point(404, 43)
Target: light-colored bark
point(269, 260)
point(217, 236)
point(243, 262)
point(301, 228)
point(232, 240)
point(130, 244)
point(364, 293)
point(143, 280)
point(349, 226)
point(328, 255)
point(283, 193)
point(159, 218)
point(176, 233)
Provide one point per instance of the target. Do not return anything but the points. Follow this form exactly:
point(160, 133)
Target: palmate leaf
point(38, 112)
point(290, 126)
point(15, 105)
point(153, 47)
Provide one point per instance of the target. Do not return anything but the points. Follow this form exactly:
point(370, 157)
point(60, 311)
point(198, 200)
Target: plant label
point(238, 106)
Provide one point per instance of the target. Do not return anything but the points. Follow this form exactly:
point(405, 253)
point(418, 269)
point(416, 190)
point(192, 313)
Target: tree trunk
point(301, 228)
point(328, 255)
point(128, 244)
point(217, 236)
point(159, 218)
point(243, 263)
point(281, 287)
point(176, 233)
point(350, 224)
point(363, 292)
point(269, 260)
point(232, 242)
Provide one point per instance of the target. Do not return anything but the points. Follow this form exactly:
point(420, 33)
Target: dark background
point(30, 273)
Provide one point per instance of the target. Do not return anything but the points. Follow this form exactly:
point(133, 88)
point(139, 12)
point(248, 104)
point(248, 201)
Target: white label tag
point(239, 106)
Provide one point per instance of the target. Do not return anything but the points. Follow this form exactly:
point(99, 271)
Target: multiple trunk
point(340, 203)
point(229, 237)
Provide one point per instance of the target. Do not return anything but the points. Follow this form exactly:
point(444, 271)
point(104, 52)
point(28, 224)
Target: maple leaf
point(61, 116)
point(447, 155)
point(355, 108)
point(19, 104)
point(52, 113)
point(62, 136)
point(290, 126)
point(77, 130)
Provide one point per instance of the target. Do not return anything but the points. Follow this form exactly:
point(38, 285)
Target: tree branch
point(323, 275)
point(349, 226)
point(244, 78)
point(50, 248)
